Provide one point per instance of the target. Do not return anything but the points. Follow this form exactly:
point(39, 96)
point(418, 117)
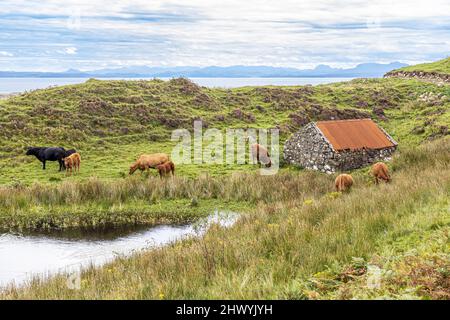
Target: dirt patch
point(96, 106)
point(241, 115)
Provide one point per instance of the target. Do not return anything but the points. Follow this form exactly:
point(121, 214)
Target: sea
point(16, 85)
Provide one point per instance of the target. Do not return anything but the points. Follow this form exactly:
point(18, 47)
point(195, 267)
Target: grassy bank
point(274, 251)
point(98, 203)
point(408, 265)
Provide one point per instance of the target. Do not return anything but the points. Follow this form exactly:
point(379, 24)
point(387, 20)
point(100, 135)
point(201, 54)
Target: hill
point(114, 121)
point(441, 66)
point(437, 72)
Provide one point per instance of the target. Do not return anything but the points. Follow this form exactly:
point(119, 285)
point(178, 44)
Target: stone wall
point(309, 149)
point(353, 159)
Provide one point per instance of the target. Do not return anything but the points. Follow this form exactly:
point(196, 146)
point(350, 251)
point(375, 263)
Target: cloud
point(86, 34)
point(71, 50)
point(6, 54)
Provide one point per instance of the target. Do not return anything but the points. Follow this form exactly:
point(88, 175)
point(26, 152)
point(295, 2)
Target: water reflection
point(22, 256)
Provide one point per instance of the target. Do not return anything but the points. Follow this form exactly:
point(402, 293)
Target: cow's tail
point(337, 184)
point(342, 184)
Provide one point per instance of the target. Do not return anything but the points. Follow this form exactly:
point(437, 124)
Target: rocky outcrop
point(435, 77)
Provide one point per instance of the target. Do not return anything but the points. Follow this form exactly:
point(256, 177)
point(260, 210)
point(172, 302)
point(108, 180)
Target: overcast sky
point(51, 35)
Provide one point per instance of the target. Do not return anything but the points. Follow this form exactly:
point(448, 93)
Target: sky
point(51, 35)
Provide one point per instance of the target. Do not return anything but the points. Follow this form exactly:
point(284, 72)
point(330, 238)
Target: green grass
point(412, 262)
point(92, 117)
point(441, 66)
point(293, 226)
point(273, 251)
point(112, 122)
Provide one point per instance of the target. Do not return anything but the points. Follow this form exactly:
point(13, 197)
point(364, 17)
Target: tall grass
point(268, 252)
point(134, 200)
point(238, 187)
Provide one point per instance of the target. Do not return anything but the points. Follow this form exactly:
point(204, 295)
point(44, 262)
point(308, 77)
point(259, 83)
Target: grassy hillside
point(112, 122)
point(441, 66)
point(297, 239)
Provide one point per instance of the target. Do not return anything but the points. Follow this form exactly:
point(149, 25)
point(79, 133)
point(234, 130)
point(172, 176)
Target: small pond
point(23, 256)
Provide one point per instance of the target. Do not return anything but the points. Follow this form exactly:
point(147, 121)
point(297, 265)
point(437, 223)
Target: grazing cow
point(343, 182)
point(44, 154)
point(166, 168)
point(72, 162)
point(146, 161)
point(380, 171)
point(261, 155)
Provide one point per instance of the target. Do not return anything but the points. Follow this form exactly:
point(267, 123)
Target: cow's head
point(133, 168)
point(31, 151)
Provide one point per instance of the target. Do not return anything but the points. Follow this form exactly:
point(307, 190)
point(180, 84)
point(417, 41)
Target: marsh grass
point(140, 200)
point(270, 252)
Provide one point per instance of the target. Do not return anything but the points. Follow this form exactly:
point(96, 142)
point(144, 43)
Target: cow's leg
point(43, 164)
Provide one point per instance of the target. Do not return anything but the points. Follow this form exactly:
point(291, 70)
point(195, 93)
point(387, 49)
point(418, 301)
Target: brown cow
point(72, 162)
point(146, 161)
point(261, 155)
point(380, 171)
point(343, 182)
point(166, 168)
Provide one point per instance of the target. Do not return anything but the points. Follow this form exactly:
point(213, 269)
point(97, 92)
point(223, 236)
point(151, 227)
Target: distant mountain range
point(364, 70)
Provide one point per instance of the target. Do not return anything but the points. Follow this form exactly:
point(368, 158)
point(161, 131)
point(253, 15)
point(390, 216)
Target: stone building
point(338, 145)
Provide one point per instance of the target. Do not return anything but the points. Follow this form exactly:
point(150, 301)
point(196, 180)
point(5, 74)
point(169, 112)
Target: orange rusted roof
point(354, 134)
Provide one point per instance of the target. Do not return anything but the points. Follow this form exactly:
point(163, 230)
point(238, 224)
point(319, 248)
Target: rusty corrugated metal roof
point(354, 134)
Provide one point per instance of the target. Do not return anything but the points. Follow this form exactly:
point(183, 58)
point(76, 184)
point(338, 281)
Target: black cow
point(48, 154)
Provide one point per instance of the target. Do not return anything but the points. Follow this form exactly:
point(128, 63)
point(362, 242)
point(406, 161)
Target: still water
point(25, 256)
point(11, 85)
